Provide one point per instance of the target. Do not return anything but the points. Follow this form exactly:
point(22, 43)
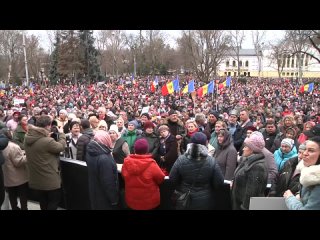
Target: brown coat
point(43, 158)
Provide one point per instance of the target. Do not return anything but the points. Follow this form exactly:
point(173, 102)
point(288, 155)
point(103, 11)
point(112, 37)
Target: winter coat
point(207, 182)
point(238, 137)
point(118, 154)
point(176, 128)
point(15, 171)
point(142, 177)
point(82, 143)
point(310, 192)
point(131, 137)
point(280, 157)
point(269, 139)
point(103, 177)
point(286, 180)
point(153, 141)
point(43, 158)
point(250, 180)
point(272, 167)
point(168, 149)
point(226, 156)
point(4, 141)
point(18, 136)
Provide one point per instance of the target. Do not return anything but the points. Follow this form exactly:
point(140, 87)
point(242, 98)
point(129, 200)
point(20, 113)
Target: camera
point(55, 132)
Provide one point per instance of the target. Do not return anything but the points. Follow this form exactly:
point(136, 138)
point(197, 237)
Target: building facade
point(250, 62)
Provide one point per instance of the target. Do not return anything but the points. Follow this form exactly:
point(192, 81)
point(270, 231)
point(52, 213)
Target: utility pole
point(25, 58)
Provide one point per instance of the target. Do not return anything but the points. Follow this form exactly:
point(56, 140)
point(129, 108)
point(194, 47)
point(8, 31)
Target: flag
point(164, 90)
point(208, 88)
point(31, 89)
point(153, 89)
point(189, 88)
point(307, 88)
point(176, 86)
point(228, 81)
point(170, 87)
point(156, 81)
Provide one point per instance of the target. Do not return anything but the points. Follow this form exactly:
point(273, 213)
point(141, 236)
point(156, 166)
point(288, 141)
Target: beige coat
point(15, 171)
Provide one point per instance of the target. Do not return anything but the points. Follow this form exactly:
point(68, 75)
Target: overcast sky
point(172, 35)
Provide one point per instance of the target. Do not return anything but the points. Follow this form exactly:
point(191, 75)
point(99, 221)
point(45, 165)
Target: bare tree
point(206, 49)
point(278, 56)
point(237, 38)
point(258, 43)
point(298, 43)
point(11, 49)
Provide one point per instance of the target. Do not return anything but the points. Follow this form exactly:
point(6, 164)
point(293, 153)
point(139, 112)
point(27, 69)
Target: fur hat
point(234, 112)
point(171, 112)
point(255, 142)
point(148, 124)
point(141, 146)
point(288, 141)
point(134, 123)
point(199, 138)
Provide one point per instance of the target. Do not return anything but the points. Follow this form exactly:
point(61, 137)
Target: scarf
point(103, 137)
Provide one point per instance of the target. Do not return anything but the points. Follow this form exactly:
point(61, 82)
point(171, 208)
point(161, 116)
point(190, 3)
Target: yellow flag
point(170, 87)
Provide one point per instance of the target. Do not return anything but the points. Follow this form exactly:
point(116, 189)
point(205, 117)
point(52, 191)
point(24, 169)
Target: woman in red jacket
point(142, 177)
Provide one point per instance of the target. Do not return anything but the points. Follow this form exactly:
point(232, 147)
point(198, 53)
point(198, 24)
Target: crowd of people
point(251, 134)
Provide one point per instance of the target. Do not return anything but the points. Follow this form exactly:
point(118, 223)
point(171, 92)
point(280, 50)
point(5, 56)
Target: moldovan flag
point(226, 83)
point(307, 88)
point(208, 88)
point(189, 88)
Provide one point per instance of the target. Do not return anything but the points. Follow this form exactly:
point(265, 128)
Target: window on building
point(240, 63)
point(248, 74)
point(292, 63)
point(227, 64)
point(225, 73)
point(229, 73)
point(245, 73)
point(296, 74)
point(247, 63)
point(288, 74)
point(233, 63)
point(288, 62)
point(283, 74)
point(307, 61)
point(291, 74)
point(234, 74)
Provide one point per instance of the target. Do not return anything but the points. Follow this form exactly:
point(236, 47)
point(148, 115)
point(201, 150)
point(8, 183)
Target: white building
point(249, 65)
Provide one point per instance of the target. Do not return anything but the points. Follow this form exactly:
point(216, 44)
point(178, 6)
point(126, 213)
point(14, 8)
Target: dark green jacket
point(18, 136)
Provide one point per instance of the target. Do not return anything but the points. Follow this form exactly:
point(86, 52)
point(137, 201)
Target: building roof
point(244, 52)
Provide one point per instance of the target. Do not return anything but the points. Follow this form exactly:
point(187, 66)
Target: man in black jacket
point(84, 139)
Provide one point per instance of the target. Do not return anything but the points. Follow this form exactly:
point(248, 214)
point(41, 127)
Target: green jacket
point(18, 136)
point(43, 158)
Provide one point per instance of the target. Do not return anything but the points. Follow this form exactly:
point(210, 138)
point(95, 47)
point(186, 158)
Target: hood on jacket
point(310, 176)
point(227, 140)
point(137, 164)
point(96, 149)
point(34, 134)
point(198, 150)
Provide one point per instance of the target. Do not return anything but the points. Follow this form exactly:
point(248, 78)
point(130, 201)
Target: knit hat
point(146, 114)
point(171, 112)
point(215, 113)
point(288, 141)
point(141, 146)
point(114, 128)
point(303, 146)
point(134, 123)
point(148, 124)
point(255, 142)
point(63, 111)
point(199, 138)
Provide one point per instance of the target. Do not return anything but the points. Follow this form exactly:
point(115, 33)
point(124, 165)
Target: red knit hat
point(141, 146)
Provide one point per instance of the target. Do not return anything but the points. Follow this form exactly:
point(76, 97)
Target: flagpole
point(212, 91)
